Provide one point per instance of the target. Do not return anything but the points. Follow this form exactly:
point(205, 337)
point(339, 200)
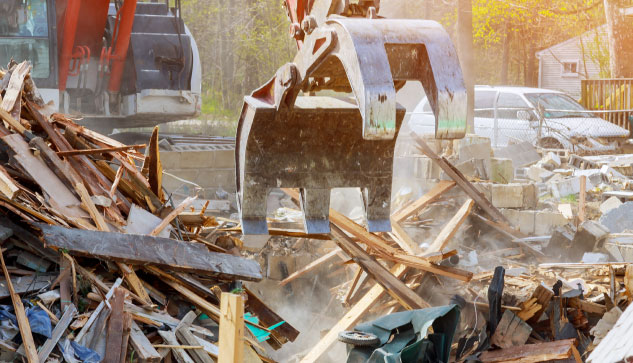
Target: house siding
point(551, 75)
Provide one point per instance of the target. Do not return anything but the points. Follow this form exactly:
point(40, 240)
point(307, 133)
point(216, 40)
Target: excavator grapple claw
point(315, 142)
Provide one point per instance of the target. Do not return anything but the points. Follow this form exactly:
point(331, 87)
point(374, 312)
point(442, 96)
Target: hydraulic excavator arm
point(316, 143)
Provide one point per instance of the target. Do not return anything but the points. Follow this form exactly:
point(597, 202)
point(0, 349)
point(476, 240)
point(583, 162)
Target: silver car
point(544, 117)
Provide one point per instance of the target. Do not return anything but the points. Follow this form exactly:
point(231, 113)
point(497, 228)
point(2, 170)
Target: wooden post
point(582, 199)
point(231, 328)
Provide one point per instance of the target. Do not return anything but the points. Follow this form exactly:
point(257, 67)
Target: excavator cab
point(291, 135)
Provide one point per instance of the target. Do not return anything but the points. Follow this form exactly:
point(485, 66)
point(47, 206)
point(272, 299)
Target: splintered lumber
point(284, 332)
point(402, 238)
point(61, 197)
point(60, 328)
point(532, 353)
point(114, 336)
point(396, 288)
point(8, 187)
point(351, 317)
point(24, 284)
point(440, 188)
point(616, 346)
point(420, 264)
point(139, 249)
point(84, 330)
point(13, 95)
point(543, 295)
point(143, 347)
point(452, 226)
point(99, 151)
point(185, 336)
point(172, 215)
point(172, 343)
point(231, 328)
point(355, 313)
point(20, 314)
point(311, 266)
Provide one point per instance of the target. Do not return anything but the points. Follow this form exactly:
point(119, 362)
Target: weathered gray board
point(23, 284)
point(142, 249)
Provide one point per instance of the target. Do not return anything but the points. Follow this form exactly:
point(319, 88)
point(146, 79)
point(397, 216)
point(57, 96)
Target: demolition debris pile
point(88, 262)
point(530, 244)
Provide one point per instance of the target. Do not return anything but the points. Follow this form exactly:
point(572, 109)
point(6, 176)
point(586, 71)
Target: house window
point(570, 68)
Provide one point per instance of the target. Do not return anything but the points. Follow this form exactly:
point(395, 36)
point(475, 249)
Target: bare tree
point(620, 31)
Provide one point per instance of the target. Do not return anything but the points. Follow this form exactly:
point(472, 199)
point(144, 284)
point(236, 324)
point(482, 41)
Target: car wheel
point(358, 338)
point(550, 143)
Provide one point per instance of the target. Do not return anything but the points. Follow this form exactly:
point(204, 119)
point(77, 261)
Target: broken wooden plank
point(179, 353)
point(543, 296)
point(98, 310)
point(531, 353)
point(267, 317)
point(311, 266)
point(137, 249)
point(8, 186)
point(396, 288)
point(100, 151)
point(25, 284)
point(60, 328)
point(155, 169)
point(231, 339)
point(13, 95)
point(114, 336)
point(440, 188)
point(449, 230)
point(143, 347)
point(402, 238)
point(20, 314)
point(185, 336)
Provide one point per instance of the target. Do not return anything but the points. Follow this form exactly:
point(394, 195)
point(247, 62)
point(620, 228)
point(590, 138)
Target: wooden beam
point(402, 238)
point(531, 353)
point(582, 199)
point(155, 169)
point(143, 347)
point(96, 312)
point(311, 266)
point(461, 180)
point(100, 151)
point(449, 230)
point(231, 329)
point(172, 343)
point(20, 314)
point(396, 288)
point(440, 188)
point(142, 250)
point(114, 336)
point(185, 336)
point(60, 328)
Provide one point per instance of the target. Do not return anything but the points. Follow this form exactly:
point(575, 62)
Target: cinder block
point(523, 220)
point(545, 222)
point(530, 195)
point(507, 195)
point(501, 170)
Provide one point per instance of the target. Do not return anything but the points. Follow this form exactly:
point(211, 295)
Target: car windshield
point(558, 105)
point(24, 34)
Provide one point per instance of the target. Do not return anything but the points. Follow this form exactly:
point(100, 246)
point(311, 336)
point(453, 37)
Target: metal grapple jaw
point(317, 143)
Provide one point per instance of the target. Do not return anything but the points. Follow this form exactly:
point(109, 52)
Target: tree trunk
point(620, 31)
point(465, 49)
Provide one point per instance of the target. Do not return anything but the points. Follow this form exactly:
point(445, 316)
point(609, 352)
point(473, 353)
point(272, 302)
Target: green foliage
point(241, 45)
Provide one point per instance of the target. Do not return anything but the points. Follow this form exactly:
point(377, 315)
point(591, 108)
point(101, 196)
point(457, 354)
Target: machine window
point(24, 34)
point(484, 103)
point(513, 101)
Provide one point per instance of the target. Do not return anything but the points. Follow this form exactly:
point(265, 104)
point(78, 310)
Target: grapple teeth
point(315, 204)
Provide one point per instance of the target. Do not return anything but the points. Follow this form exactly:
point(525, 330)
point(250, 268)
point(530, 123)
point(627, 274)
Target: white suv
point(544, 117)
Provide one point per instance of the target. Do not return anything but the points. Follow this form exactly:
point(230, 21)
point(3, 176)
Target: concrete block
point(507, 195)
point(590, 236)
point(530, 195)
point(545, 222)
point(522, 155)
point(567, 187)
point(609, 204)
point(501, 170)
point(538, 174)
point(551, 159)
point(619, 219)
point(523, 220)
point(559, 242)
point(474, 168)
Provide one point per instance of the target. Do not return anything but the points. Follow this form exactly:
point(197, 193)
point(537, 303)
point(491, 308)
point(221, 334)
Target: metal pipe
point(124, 30)
point(71, 17)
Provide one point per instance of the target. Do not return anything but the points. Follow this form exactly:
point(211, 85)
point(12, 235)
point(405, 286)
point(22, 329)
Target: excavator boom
point(289, 137)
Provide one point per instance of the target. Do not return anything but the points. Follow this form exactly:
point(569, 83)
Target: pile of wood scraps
point(99, 263)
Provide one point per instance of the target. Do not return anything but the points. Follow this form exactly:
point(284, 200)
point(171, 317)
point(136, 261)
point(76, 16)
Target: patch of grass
point(569, 199)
